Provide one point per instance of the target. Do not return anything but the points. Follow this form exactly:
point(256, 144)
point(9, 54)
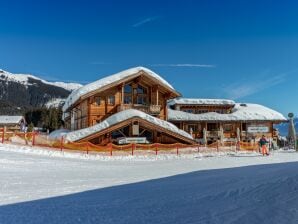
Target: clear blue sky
point(243, 50)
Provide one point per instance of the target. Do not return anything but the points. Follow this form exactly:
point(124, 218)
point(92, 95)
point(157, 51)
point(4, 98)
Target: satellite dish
point(290, 115)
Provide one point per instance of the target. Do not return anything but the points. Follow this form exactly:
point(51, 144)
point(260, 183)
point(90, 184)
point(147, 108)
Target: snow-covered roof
point(10, 119)
point(122, 116)
point(193, 101)
point(241, 112)
point(75, 95)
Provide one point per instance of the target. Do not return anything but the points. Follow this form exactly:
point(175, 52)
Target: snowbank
point(57, 134)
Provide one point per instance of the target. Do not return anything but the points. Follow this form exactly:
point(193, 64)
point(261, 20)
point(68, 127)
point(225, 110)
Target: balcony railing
point(150, 109)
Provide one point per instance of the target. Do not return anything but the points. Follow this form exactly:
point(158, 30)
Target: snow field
point(45, 186)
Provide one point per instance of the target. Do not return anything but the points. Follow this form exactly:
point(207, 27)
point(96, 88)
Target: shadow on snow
point(253, 194)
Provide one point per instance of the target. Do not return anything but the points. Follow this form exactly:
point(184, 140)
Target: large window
point(135, 94)
point(141, 95)
point(128, 94)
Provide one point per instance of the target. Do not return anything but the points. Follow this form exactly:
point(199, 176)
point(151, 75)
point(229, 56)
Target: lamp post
point(292, 131)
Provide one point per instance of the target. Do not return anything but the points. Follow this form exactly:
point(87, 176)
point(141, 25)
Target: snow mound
point(75, 95)
point(122, 116)
point(241, 112)
point(57, 134)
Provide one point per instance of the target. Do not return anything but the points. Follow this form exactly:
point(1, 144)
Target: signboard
point(257, 129)
point(138, 140)
point(135, 129)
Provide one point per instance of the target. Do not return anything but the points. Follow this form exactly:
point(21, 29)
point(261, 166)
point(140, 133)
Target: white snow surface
point(57, 134)
point(75, 95)
point(250, 112)
point(55, 103)
point(122, 116)
point(194, 101)
point(43, 186)
point(23, 79)
point(10, 119)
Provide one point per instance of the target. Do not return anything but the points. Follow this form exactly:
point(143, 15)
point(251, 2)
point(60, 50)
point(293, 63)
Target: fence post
point(217, 146)
point(111, 149)
point(156, 145)
point(61, 143)
point(33, 138)
point(132, 148)
point(87, 147)
point(3, 132)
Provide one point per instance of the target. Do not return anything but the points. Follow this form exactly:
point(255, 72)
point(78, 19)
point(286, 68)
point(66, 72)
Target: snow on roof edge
point(122, 116)
point(6, 119)
point(199, 101)
point(250, 112)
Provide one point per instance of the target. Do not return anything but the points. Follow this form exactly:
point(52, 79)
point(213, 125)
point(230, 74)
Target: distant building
point(137, 105)
point(13, 123)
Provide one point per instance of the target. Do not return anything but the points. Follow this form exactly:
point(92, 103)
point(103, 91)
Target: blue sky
point(243, 50)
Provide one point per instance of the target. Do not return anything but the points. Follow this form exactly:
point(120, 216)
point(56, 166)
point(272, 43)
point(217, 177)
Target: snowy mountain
point(20, 92)
point(26, 80)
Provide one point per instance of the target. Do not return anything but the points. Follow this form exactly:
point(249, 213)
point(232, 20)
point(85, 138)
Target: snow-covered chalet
point(138, 105)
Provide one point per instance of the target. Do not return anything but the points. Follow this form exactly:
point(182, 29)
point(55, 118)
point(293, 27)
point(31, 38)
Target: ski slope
point(39, 186)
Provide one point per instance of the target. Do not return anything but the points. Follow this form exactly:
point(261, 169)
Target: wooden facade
point(214, 129)
point(139, 92)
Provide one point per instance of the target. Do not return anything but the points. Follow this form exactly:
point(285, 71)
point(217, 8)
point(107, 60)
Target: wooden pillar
point(89, 112)
point(106, 105)
point(122, 94)
point(157, 95)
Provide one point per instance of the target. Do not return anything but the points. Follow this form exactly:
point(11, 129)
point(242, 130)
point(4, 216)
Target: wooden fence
point(42, 140)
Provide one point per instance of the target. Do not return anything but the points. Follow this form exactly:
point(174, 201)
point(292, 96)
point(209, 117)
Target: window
point(141, 90)
point(192, 127)
point(127, 88)
point(212, 127)
point(111, 100)
point(188, 110)
point(128, 94)
point(202, 111)
point(97, 100)
point(141, 100)
point(140, 95)
point(227, 127)
point(127, 99)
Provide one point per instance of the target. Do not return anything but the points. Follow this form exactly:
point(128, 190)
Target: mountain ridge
point(22, 92)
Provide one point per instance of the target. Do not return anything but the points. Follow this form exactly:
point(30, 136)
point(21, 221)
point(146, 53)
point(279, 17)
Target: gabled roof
point(241, 112)
point(115, 79)
point(194, 101)
point(5, 119)
point(122, 116)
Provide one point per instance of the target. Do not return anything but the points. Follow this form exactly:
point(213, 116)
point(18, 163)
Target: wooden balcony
point(150, 109)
